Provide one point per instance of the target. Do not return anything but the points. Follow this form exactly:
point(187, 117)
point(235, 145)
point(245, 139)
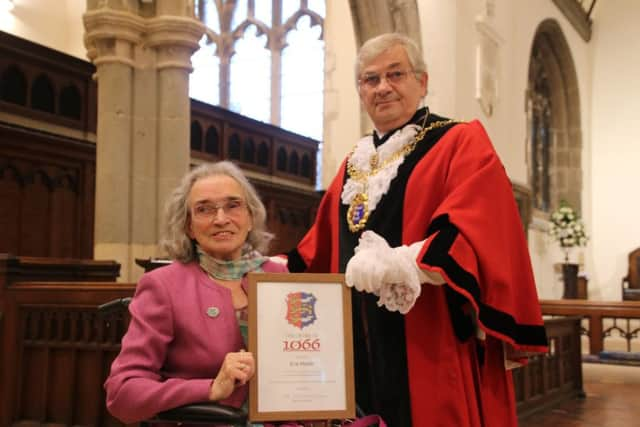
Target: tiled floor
point(613, 400)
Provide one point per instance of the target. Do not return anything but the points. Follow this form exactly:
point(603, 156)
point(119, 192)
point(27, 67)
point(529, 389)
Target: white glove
point(369, 264)
point(390, 273)
point(402, 287)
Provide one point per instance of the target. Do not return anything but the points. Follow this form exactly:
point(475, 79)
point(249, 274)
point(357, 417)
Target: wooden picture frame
point(300, 335)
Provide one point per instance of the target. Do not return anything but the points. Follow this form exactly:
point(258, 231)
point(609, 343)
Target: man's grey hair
point(177, 243)
point(376, 45)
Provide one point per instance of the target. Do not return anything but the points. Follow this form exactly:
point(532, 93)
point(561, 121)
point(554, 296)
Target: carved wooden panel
point(550, 378)
point(57, 351)
point(47, 190)
point(47, 182)
point(219, 134)
point(290, 214)
point(46, 85)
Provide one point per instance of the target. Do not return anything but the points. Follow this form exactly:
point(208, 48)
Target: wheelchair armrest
point(205, 413)
point(114, 305)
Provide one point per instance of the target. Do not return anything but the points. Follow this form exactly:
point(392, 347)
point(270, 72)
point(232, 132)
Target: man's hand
point(371, 262)
point(390, 273)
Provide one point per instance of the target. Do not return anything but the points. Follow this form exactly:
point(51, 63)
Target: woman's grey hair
point(375, 46)
point(177, 243)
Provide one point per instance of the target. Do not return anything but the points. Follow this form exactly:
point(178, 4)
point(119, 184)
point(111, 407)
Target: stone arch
point(561, 173)
point(372, 18)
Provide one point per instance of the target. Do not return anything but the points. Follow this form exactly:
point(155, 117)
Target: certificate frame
point(299, 382)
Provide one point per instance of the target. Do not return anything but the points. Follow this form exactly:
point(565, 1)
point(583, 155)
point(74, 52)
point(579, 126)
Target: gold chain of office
point(359, 175)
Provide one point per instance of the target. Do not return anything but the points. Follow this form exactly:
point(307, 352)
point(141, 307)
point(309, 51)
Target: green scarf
point(251, 260)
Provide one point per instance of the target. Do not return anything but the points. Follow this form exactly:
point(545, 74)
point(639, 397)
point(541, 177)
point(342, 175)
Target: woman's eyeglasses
point(207, 211)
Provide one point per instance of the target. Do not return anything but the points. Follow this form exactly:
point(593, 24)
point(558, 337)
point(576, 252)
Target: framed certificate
point(300, 335)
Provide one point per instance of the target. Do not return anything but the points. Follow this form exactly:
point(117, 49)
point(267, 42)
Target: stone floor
point(613, 400)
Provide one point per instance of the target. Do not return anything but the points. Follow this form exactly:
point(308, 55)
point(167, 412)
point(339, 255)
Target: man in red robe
point(422, 219)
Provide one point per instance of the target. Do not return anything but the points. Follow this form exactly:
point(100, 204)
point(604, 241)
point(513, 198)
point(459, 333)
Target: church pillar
point(174, 38)
point(142, 54)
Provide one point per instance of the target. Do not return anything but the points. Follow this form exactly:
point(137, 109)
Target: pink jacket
point(173, 349)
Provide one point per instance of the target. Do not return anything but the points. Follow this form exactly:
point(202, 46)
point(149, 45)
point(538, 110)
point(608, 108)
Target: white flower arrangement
point(567, 228)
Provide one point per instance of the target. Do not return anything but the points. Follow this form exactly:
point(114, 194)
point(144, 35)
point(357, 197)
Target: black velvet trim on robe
point(438, 255)
point(381, 378)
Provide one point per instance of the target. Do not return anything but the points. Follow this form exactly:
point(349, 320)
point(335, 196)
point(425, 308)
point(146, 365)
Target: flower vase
point(570, 279)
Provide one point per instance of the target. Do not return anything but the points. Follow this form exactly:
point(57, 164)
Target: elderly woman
point(184, 342)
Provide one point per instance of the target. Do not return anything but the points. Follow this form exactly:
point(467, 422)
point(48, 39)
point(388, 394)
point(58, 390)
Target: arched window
point(553, 117)
point(540, 132)
point(263, 59)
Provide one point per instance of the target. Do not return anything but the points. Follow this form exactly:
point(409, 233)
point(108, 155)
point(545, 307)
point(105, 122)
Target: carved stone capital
point(111, 35)
point(175, 39)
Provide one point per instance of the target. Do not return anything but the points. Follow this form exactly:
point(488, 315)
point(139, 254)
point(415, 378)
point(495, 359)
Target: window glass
point(239, 14)
point(251, 77)
point(263, 11)
point(302, 76)
point(204, 79)
point(237, 73)
point(318, 6)
point(210, 15)
point(289, 7)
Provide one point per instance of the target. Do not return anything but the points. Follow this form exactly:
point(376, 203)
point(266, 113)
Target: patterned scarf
point(251, 260)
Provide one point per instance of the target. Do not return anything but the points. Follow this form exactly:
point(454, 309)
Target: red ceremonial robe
point(451, 192)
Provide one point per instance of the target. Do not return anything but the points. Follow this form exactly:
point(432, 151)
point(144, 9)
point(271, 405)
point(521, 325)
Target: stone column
point(142, 53)
point(174, 39)
point(111, 39)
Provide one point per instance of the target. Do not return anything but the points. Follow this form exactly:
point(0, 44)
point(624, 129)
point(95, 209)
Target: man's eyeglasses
point(372, 80)
point(207, 211)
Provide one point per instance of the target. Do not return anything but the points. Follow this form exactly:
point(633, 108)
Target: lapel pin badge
point(213, 311)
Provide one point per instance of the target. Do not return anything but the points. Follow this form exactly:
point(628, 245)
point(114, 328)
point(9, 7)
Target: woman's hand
point(237, 369)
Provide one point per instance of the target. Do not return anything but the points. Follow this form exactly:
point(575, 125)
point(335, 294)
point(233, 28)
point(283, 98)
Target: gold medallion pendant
point(358, 212)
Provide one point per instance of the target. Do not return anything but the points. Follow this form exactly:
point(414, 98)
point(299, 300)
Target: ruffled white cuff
point(390, 273)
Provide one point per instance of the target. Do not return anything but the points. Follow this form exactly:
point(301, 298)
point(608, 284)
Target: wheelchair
point(210, 413)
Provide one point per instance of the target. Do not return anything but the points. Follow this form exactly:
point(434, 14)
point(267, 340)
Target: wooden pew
point(553, 377)
point(57, 351)
point(54, 349)
point(605, 319)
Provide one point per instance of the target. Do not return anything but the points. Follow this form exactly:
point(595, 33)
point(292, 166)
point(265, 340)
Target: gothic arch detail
point(554, 137)
point(372, 18)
